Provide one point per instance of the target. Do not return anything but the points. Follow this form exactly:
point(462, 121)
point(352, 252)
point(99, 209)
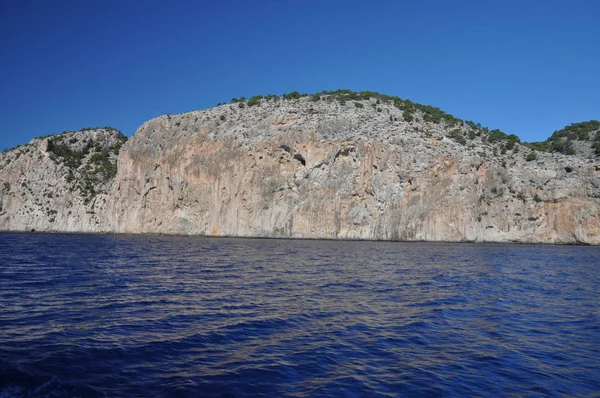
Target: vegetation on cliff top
point(409, 108)
point(91, 163)
point(462, 131)
point(41, 137)
point(561, 141)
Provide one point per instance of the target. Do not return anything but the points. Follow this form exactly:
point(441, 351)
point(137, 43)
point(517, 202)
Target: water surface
point(100, 315)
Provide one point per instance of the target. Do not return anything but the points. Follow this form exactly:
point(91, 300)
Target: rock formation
point(59, 183)
point(307, 167)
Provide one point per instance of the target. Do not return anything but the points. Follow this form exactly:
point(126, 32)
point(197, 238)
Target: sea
point(158, 316)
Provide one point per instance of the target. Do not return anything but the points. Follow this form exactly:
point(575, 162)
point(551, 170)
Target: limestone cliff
point(310, 168)
point(59, 183)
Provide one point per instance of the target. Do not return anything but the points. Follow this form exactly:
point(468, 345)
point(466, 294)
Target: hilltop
point(338, 165)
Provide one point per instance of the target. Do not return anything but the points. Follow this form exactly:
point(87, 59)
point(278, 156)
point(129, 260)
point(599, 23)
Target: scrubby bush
point(531, 156)
point(577, 131)
point(538, 146)
point(561, 145)
point(497, 135)
point(254, 100)
point(292, 95)
point(457, 136)
point(596, 145)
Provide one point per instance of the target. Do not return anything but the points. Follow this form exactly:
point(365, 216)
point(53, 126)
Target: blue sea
point(153, 316)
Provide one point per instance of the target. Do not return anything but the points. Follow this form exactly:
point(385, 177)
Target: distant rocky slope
point(59, 183)
point(338, 165)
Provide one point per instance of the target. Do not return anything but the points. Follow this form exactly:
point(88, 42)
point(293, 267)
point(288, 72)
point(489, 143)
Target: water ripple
point(88, 315)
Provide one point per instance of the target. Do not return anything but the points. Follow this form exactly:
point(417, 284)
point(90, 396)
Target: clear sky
point(528, 67)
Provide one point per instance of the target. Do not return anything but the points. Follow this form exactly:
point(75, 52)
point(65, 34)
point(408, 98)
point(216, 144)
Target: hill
point(337, 165)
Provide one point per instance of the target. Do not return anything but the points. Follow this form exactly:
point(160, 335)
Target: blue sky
point(528, 67)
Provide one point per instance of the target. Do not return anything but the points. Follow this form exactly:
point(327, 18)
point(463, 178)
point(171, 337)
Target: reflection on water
point(161, 316)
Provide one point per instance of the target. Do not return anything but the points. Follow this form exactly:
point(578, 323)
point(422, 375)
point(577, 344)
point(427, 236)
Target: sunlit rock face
point(315, 169)
point(59, 183)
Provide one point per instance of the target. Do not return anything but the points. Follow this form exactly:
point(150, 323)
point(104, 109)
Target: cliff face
point(59, 183)
point(315, 169)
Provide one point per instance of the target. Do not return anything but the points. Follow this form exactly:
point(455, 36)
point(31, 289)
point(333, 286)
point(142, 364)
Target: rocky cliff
point(59, 183)
point(335, 166)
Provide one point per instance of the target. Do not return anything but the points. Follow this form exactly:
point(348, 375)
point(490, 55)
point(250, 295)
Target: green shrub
point(292, 95)
point(531, 156)
point(471, 124)
point(457, 136)
point(497, 135)
point(561, 145)
point(538, 146)
point(358, 105)
point(254, 100)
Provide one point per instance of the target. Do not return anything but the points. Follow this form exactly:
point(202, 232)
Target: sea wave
point(120, 316)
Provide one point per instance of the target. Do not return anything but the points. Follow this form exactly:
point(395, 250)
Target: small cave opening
point(568, 169)
point(300, 158)
point(343, 152)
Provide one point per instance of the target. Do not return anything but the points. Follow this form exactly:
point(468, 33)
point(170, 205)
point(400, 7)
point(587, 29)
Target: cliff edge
point(335, 165)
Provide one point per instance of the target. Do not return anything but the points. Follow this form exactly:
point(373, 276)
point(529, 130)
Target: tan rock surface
point(304, 169)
